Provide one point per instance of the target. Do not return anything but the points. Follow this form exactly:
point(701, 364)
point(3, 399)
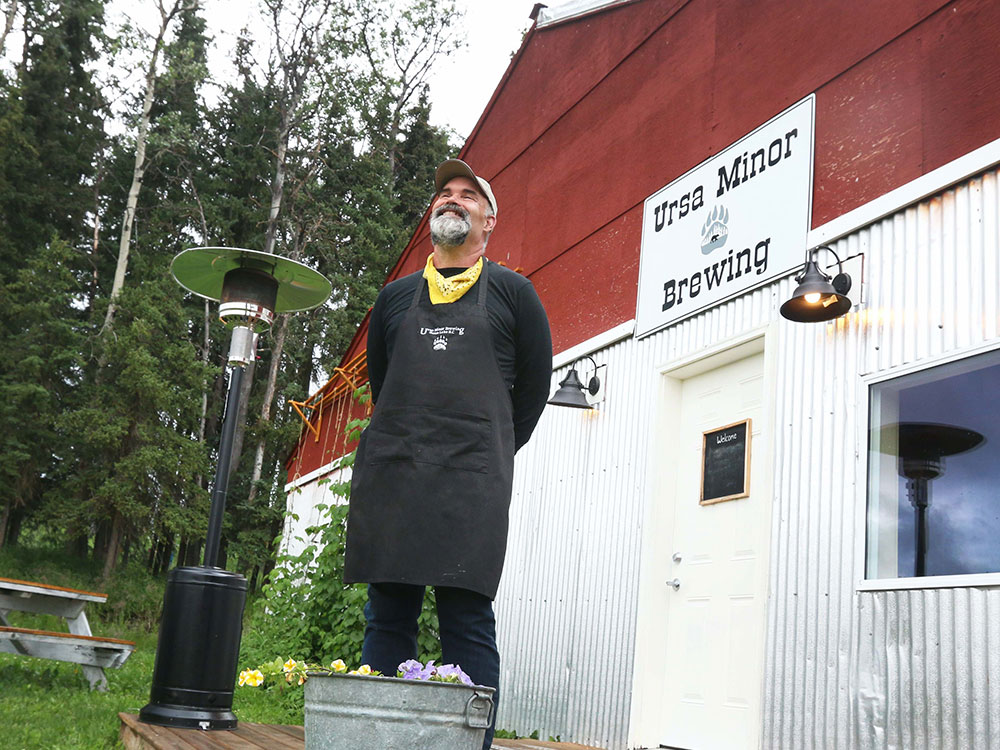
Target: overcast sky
point(493, 28)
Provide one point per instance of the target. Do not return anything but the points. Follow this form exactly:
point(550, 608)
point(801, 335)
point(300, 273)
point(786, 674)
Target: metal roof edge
point(573, 9)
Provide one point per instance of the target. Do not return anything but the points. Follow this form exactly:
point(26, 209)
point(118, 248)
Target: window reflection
point(934, 478)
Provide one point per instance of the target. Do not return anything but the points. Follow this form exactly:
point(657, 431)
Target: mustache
point(440, 210)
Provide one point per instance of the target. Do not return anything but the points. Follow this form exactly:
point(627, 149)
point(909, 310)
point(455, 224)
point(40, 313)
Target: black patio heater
point(922, 448)
point(199, 643)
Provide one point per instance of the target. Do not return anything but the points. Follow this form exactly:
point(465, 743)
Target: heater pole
point(221, 484)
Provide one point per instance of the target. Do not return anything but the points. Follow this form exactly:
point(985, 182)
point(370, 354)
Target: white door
point(715, 618)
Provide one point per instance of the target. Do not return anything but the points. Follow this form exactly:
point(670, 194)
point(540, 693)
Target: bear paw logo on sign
point(440, 343)
point(715, 232)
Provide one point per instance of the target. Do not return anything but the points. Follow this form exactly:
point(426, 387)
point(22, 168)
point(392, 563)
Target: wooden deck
point(136, 735)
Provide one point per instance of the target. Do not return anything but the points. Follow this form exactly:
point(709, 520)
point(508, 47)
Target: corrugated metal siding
point(566, 608)
point(898, 669)
point(843, 669)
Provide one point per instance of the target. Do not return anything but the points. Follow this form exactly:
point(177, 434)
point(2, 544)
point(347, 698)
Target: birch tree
point(303, 45)
point(400, 46)
point(8, 23)
point(168, 12)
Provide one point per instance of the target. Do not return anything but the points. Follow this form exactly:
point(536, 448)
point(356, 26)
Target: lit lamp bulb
point(817, 298)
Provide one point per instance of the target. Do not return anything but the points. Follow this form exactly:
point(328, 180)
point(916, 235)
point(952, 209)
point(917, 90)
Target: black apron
point(432, 478)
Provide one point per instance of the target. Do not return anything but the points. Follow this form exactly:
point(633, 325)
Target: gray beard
point(449, 230)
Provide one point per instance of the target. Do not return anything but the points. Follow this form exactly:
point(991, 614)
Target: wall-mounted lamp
point(817, 298)
point(570, 392)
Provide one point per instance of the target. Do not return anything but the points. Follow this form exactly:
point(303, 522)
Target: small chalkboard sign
point(725, 463)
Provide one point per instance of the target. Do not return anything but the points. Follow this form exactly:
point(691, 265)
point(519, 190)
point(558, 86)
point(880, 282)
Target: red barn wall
point(597, 113)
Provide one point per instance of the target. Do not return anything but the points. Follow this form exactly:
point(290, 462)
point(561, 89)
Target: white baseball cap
point(457, 168)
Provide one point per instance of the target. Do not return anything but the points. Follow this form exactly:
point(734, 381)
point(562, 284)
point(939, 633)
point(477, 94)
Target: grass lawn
point(47, 705)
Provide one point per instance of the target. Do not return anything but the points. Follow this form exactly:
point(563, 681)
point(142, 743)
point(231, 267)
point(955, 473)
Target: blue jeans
point(468, 633)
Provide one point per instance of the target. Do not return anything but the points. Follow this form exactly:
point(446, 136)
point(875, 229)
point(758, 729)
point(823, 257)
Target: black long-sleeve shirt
point(521, 337)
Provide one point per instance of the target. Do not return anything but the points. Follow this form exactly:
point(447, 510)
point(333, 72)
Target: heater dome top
point(202, 271)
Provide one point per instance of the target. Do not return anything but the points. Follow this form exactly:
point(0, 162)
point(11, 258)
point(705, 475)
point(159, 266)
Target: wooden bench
point(79, 646)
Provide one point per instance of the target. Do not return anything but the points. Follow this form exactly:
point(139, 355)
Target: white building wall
point(306, 500)
point(568, 601)
point(879, 669)
point(566, 606)
point(843, 668)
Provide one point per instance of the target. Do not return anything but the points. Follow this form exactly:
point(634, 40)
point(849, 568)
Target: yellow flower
point(302, 679)
point(364, 669)
point(290, 665)
point(251, 677)
point(339, 666)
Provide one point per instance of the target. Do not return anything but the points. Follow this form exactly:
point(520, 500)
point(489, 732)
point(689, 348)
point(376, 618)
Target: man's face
point(458, 213)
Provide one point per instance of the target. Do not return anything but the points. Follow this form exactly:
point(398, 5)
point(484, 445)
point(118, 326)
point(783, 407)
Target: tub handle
point(473, 710)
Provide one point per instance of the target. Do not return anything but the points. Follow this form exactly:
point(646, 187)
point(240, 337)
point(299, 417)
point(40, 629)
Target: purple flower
point(414, 670)
point(453, 673)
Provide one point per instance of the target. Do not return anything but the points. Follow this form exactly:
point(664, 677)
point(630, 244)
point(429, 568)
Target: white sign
point(734, 222)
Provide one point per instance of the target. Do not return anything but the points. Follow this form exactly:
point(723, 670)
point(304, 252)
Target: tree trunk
point(265, 409)
point(7, 26)
point(100, 541)
point(206, 352)
point(294, 81)
point(223, 554)
point(277, 188)
point(4, 519)
point(95, 244)
point(187, 552)
point(114, 546)
point(166, 550)
point(14, 525)
point(241, 416)
point(76, 544)
point(192, 552)
point(139, 167)
point(151, 558)
point(219, 397)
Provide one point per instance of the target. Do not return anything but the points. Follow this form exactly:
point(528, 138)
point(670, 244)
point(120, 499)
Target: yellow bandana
point(444, 289)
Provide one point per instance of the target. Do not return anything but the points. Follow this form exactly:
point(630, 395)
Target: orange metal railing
point(345, 381)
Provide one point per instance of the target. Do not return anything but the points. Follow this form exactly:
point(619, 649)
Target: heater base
point(184, 717)
point(198, 650)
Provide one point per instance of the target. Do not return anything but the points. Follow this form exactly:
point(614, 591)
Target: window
point(934, 471)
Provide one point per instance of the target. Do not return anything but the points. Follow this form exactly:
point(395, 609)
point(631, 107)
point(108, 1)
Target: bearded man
point(459, 361)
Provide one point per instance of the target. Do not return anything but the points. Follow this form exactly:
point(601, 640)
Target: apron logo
point(441, 334)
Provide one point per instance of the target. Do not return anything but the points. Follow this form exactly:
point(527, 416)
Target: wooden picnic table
point(79, 646)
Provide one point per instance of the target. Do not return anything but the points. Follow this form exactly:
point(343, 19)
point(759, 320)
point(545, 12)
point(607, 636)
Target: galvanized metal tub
point(350, 712)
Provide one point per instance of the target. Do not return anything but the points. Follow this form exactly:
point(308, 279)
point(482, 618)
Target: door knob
point(675, 584)
point(677, 557)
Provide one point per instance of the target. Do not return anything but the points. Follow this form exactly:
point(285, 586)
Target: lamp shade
point(203, 271)
point(570, 393)
point(816, 299)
